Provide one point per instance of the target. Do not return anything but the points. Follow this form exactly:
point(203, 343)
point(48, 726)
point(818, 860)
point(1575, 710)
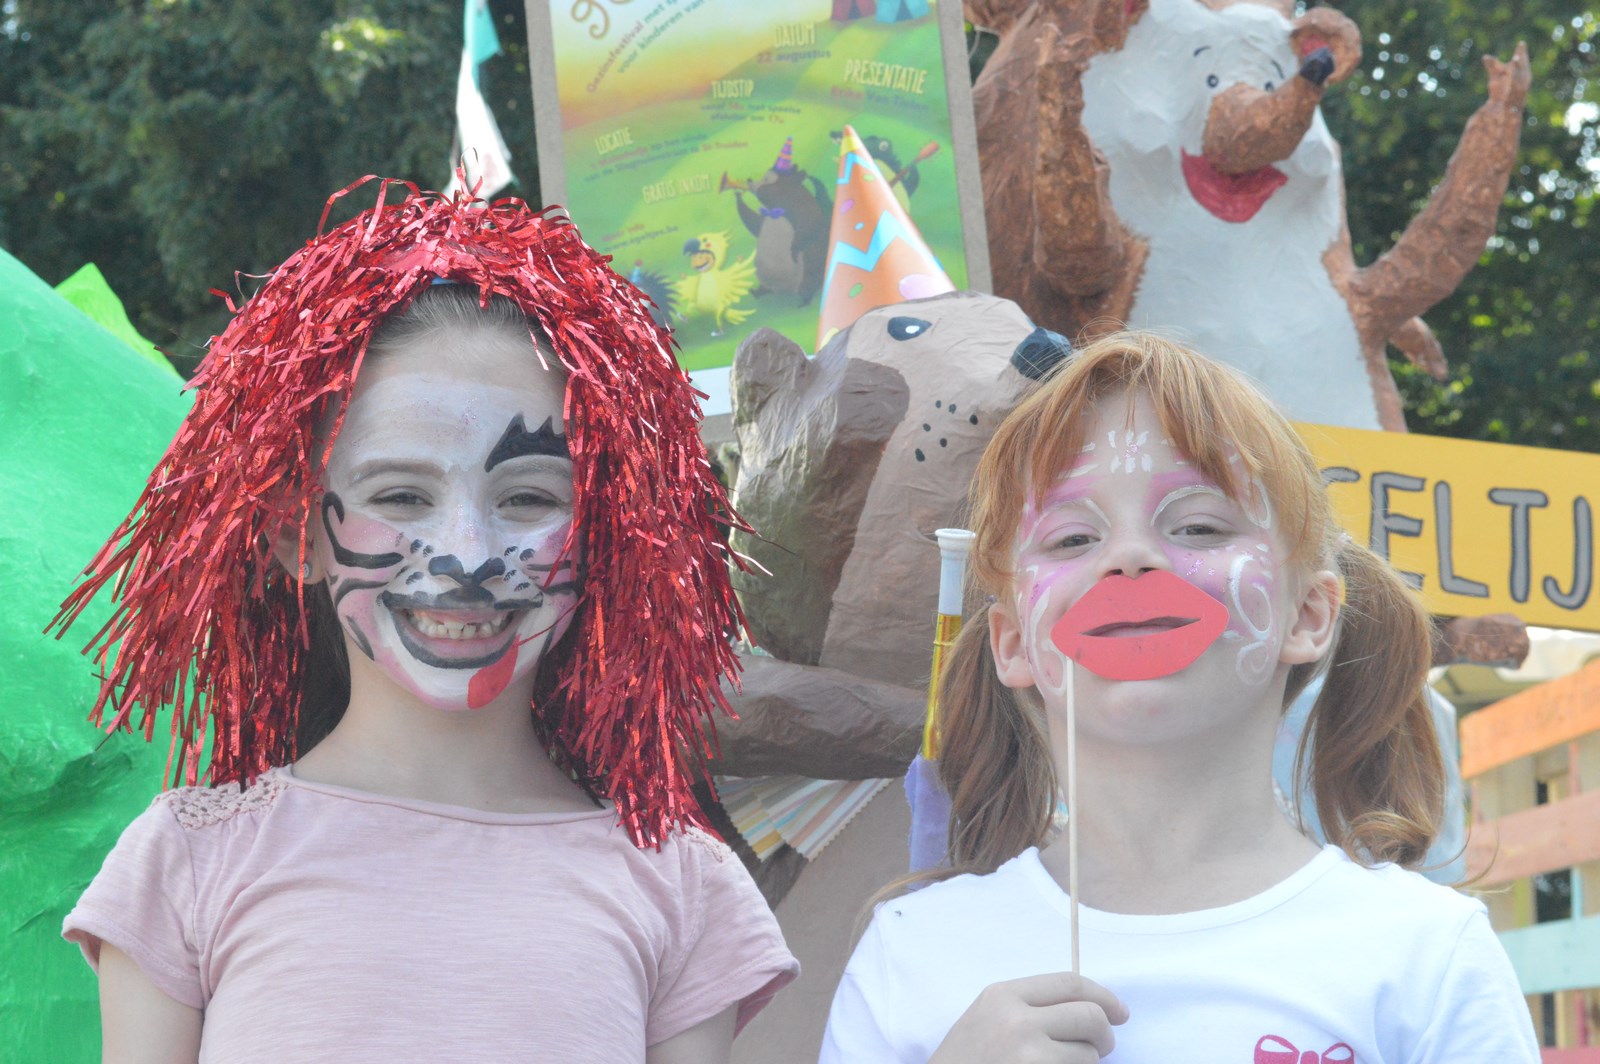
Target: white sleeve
point(1479, 1012)
point(854, 1035)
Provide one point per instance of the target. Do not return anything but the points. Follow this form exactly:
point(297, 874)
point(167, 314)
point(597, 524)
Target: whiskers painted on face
point(549, 584)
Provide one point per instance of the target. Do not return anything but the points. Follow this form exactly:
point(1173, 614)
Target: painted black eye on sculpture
point(905, 328)
point(1212, 81)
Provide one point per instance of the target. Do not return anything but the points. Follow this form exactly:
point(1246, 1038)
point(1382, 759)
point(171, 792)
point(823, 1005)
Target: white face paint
point(1147, 509)
point(447, 501)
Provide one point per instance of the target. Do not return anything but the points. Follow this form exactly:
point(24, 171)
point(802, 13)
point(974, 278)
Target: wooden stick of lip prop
point(1072, 806)
point(954, 546)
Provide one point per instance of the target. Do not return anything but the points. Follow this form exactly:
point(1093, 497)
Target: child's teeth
point(458, 629)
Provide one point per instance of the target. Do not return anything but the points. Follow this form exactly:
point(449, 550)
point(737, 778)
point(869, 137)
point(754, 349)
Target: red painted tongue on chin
point(1121, 601)
point(1231, 197)
point(487, 683)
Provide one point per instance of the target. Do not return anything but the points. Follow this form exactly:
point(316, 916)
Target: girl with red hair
point(431, 578)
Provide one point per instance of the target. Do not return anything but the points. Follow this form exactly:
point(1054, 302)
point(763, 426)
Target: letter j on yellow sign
point(1478, 527)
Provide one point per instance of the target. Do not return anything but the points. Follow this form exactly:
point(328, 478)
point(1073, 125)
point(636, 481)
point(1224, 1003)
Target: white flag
point(479, 148)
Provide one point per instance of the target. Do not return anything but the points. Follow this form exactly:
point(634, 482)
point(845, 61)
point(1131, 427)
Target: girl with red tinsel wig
point(432, 574)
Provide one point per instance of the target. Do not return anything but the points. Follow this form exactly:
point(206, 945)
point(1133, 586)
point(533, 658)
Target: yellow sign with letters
point(1478, 527)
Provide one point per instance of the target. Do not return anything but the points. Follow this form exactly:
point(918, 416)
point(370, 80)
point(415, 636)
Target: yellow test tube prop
point(954, 546)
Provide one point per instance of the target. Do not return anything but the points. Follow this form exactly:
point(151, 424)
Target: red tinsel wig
point(206, 622)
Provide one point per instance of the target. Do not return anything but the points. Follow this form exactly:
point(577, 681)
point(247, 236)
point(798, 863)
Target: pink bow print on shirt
point(1274, 1050)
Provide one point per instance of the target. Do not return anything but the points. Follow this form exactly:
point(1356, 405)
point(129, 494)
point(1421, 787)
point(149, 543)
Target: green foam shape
point(89, 292)
point(83, 419)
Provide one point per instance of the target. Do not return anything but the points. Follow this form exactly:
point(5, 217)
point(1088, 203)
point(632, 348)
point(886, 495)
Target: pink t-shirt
point(315, 923)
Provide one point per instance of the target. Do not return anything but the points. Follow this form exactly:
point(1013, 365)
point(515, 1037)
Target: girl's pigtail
point(994, 761)
point(1375, 765)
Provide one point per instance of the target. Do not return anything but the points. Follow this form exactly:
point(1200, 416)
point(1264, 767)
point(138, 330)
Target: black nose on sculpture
point(1040, 352)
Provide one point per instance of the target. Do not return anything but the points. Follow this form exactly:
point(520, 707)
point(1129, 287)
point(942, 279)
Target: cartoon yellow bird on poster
point(715, 285)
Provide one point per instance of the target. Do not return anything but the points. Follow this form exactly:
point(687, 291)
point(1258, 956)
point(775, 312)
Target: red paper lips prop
point(1140, 629)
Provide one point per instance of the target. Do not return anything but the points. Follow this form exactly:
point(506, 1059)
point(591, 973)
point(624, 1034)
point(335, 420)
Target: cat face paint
point(443, 520)
point(1137, 567)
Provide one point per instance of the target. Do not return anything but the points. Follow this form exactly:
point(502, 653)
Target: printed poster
point(698, 143)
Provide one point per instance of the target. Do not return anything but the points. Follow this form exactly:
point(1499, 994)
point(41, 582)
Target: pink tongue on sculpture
point(486, 685)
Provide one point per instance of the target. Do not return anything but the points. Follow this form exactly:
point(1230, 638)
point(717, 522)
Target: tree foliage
point(1522, 333)
point(173, 142)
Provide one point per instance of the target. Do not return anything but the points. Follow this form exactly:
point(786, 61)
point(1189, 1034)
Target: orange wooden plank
point(1530, 721)
point(1541, 839)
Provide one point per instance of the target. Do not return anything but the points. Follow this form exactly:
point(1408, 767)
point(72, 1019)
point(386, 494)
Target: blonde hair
point(1374, 767)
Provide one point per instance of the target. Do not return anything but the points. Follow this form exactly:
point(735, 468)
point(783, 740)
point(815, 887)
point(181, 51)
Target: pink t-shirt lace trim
point(196, 808)
point(708, 843)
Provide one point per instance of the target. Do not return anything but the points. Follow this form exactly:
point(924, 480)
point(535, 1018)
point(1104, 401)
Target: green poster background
point(664, 107)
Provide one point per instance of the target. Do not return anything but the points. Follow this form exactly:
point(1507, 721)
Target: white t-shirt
point(1338, 964)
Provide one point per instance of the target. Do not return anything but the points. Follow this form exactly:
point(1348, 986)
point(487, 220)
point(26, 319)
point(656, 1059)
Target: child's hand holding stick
point(1054, 1018)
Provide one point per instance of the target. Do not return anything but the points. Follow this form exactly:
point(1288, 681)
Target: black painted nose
point(1040, 352)
point(448, 565)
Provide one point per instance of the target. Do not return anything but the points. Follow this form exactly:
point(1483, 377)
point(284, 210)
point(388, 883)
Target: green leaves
point(1521, 332)
point(174, 143)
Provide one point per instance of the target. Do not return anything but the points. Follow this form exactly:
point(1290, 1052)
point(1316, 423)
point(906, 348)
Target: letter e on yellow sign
point(1478, 527)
